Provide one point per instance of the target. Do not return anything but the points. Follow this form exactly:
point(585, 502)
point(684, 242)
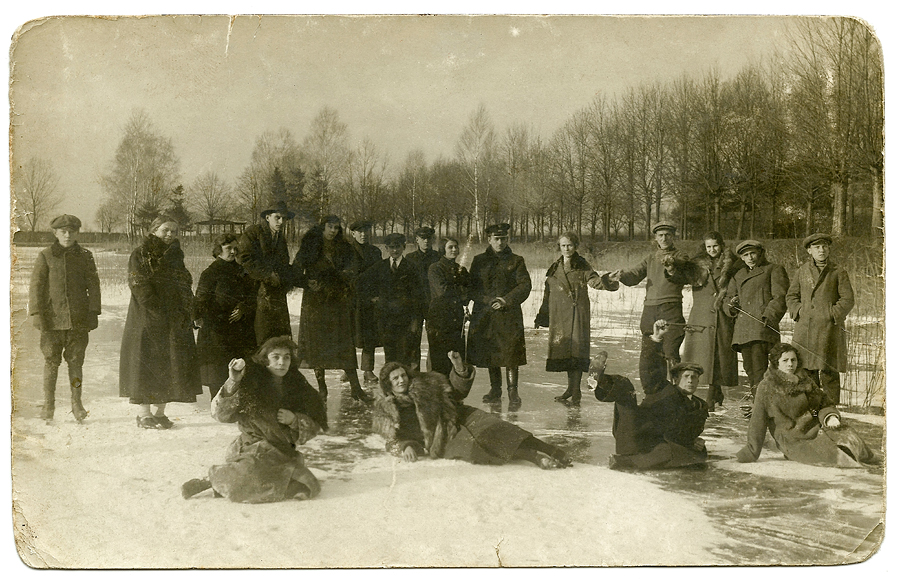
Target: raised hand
point(236, 369)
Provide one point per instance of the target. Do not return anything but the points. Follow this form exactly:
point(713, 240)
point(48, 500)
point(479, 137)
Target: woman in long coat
point(158, 361)
point(449, 283)
point(325, 336)
point(709, 343)
point(224, 308)
point(805, 425)
point(566, 310)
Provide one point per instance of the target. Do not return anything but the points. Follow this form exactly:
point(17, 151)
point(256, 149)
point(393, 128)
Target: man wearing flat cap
point(499, 284)
point(756, 299)
point(365, 327)
point(667, 271)
point(263, 252)
point(64, 303)
point(395, 289)
point(421, 258)
point(819, 299)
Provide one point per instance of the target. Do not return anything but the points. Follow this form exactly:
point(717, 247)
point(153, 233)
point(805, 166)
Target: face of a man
point(279, 361)
point(395, 250)
point(819, 251)
point(361, 236)
point(423, 243)
point(498, 242)
point(399, 381)
point(688, 381)
point(750, 257)
point(665, 238)
point(713, 249)
point(331, 230)
point(276, 221)
point(65, 236)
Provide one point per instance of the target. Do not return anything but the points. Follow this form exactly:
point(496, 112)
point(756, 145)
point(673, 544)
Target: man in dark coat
point(667, 271)
point(499, 284)
point(421, 258)
point(64, 303)
point(365, 329)
point(663, 431)
point(263, 252)
point(818, 300)
point(394, 287)
point(756, 298)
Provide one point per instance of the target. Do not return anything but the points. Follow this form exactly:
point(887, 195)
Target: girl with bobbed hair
point(449, 283)
point(805, 424)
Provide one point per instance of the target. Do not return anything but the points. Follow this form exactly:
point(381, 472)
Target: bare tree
point(254, 188)
point(326, 145)
point(475, 149)
point(36, 192)
point(209, 196)
point(108, 217)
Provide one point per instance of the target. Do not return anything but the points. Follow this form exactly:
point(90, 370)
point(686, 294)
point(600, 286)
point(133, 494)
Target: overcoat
point(158, 360)
point(819, 301)
point(449, 284)
point(497, 337)
point(325, 334)
point(399, 301)
point(432, 419)
point(422, 261)
point(65, 289)
point(265, 257)
point(761, 292)
point(710, 344)
point(263, 460)
point(223, 287)
point(794, 409)
point(566, 307)
point(365, 328)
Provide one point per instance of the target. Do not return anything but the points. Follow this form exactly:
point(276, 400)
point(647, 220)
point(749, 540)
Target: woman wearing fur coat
point(422, 414)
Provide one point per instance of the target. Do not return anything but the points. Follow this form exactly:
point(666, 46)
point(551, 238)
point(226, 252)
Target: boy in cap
point(365, 327)
point(499, 284)
point(756, 299)
point(64, 304)
point(667, 271)
point(818, 300)
point(421, 258)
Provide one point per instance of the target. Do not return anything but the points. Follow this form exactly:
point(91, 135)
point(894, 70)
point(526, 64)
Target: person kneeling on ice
point(663, 431)
point(276, 409)
point(422, 414)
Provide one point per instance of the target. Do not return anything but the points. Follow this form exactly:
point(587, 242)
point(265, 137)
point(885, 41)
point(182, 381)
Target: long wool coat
point(365, 328)
point(325, 334)
point(497, 337)
point(794, 409)
point(761, 292)
point(819, 301)
point(65, 289)
point(449, 284)
point(567, 309)
point(158, 361)
point(265, 257)
point(399, 301)
point(223, 287)
point(711, 347)
point(432, 419)
point(263, 459)
point(423, 260)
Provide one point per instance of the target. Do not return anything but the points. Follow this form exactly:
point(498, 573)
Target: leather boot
point(512, 386)
point(320, 379)
point(496, 392)
point(575, 386)
point(50, 374)
point(77, 409)
point(565, 395)
point(356, 391)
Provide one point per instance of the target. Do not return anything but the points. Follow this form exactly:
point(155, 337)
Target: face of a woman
point(788, 362)
point(451, 250)
point(331, 230)
point(399, 381)
point(279, 361)
point(566, 247)
point(168, 231)
point(713, 249)
point(229, 251)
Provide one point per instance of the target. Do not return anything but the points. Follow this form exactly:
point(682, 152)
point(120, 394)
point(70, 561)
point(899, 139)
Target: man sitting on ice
point(663, 430)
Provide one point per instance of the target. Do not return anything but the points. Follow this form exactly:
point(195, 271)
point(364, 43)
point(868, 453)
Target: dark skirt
point(484, 439)
point(568, 364)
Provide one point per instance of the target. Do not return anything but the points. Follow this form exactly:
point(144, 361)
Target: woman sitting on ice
point(805, 424)
point(276, 409)
point(663, 431)
point(421, 414)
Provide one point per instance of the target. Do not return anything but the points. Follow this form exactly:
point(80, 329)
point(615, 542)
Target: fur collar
point(789, 384)
point(58, 250)
point(577, 262)
point(259, 397)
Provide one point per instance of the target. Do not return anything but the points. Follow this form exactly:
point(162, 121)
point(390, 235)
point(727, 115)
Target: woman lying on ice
point(422, 414)
point(663, 430)
point(276, 409)
point(805, 424)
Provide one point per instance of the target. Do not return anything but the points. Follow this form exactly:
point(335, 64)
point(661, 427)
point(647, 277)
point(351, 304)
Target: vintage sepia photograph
point(372, 291)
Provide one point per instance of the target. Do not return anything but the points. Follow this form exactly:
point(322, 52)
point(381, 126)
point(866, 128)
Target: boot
point(512, 386)
point(356, 391)
point(575, 386)
point(496, 392)
point(320, 379)
point(50, 374)
point(565, 395)
point(77, 409)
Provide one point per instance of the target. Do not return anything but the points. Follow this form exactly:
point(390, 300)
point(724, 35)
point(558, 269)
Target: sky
point(213, 84)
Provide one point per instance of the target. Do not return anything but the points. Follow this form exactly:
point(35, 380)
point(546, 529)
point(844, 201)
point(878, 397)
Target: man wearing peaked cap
point(747, 245)
point(361, 225)
point(500, 282)
point(365, 327)
point(664, 225)
point(421, 258)
point(819, 299)
point(65, 220)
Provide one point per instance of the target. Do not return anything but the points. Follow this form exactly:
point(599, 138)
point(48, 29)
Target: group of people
point(354, 298)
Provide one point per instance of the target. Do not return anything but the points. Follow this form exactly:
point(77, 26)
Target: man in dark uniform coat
point(263, 252)
point(364, 324)
point(393, 285)
point(499, 284)
point(421, 258)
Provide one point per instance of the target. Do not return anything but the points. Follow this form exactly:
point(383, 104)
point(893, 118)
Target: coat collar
point(58, 250)
point(790, 384)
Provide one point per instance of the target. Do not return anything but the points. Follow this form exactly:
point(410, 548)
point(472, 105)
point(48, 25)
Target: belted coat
point(761, 292)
